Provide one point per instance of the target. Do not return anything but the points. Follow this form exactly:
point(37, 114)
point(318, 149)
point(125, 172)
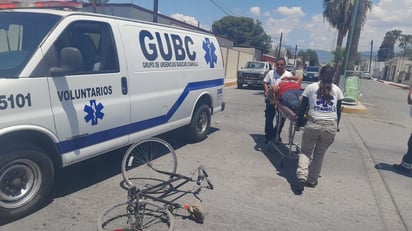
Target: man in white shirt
point(271, 80)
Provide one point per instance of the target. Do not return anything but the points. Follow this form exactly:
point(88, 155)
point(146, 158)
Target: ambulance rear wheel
point(26, 179)
point(199, 127)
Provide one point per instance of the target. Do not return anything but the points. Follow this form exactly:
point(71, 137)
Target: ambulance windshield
point(20, 36)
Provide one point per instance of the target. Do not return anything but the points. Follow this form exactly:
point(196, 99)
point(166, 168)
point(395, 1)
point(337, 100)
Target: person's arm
point(339, 111)
point(265, 88)
point(295, 78)
point(302, 110)
point(299, 79)
point(410, 96)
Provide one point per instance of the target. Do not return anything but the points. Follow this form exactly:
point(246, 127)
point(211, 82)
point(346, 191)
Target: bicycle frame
point(135, 194)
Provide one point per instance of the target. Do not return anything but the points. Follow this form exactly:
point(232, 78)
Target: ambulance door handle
point(124, 85)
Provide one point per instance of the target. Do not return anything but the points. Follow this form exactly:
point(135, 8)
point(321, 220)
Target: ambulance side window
point(94, 41)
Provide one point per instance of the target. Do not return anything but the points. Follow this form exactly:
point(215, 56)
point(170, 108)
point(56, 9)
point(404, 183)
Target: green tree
point(309, 57)
point(405, 43)
point(244, 31)
point(387, 48)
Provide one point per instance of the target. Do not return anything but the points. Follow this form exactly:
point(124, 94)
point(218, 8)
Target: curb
point(352, 109)
point(403, 86)
point(231, 83)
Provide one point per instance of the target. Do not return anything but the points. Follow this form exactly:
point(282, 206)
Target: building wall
point(398, 70)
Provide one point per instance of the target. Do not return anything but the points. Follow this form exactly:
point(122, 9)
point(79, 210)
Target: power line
point(222, 8)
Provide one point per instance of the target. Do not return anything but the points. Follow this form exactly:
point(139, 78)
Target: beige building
point(398, 70)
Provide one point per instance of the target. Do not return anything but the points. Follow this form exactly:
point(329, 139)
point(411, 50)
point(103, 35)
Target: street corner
point(359, 108)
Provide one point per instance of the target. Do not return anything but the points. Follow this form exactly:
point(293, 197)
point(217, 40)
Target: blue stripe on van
point(95, 138)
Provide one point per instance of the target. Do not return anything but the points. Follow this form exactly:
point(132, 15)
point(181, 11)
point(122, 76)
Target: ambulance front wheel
point(26, 179)
point(200, 124)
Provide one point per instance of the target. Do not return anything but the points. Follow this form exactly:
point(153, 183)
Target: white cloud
point(316, 33)
point(385, 16)
point(255, 10)
point(184, 18)
point(283, 20)
point(294, 11)
point(321, 35)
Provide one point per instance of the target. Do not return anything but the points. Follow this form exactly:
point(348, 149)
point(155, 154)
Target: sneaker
point(300, 186)
point(311, 185)
point(399, 168)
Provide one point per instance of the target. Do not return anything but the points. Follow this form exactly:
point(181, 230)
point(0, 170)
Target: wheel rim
point(20, 180)
point(202, 121)
point(142, 158)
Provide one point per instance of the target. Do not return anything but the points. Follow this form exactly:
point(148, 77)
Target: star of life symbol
point(210, 49)
point(324, 103)
point(94, 112)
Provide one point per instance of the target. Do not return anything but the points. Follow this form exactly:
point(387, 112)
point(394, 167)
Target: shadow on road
point(84, 174)
point(389, 167)
point(287, 169)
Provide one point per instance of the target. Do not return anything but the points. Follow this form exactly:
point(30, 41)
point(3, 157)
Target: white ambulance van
point(75, 85)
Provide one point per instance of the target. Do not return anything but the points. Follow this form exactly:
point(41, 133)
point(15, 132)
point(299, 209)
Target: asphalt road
point(357, 191)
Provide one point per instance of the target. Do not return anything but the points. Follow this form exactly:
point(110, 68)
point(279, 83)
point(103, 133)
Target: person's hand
point(275, 103)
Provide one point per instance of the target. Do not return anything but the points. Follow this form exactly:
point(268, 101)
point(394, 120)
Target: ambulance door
point(91, 106)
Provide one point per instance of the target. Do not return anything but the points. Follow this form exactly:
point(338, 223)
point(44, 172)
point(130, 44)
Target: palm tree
point(339, 13)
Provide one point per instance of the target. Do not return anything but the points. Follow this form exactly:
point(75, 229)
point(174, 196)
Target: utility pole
point(294, 59)
point(370, 57)
point(155, 10)
point(280, 44)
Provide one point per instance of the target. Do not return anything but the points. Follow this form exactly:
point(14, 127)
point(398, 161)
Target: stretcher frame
point(293, 149)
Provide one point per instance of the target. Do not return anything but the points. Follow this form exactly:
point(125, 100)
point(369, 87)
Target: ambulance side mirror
point(71, 61)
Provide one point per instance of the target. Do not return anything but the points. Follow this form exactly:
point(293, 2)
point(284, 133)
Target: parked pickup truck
point(252, 73)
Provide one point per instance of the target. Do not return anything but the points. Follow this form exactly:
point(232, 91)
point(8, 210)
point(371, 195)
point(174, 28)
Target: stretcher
point(285, 113)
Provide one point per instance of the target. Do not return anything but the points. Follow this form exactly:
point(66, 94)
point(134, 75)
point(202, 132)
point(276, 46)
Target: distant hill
point(325, 56)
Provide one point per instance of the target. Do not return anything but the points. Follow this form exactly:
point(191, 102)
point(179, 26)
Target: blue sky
point(300, 21)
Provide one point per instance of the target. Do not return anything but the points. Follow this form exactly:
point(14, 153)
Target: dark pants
point(407, 158)
point(270, 114)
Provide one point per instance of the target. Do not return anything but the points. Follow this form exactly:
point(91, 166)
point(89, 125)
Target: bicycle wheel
point(142, 159)
point(152, 217)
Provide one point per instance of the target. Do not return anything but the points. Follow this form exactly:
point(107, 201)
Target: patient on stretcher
point(288, 93)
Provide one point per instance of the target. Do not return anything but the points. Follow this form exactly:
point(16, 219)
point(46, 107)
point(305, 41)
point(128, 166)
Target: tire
point(142, 158)
point(200, 124)
point(154, 217)
point(26, 180)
